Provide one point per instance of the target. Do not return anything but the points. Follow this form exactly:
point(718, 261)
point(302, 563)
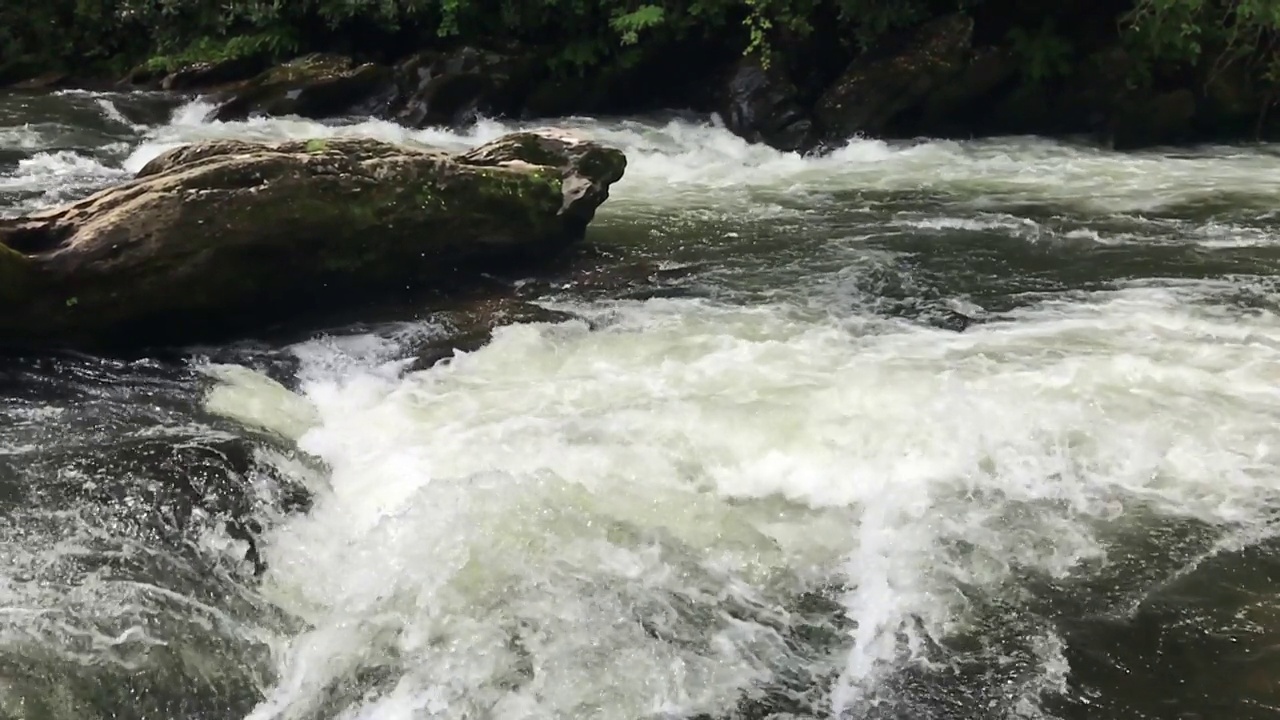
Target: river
point(922, 430)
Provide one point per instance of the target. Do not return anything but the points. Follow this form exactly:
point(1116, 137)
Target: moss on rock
point(219, 233)
point(318, 85)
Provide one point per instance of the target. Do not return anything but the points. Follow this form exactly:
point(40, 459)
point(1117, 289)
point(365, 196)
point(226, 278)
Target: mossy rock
point(180, 74)
point(313, 86)
point(227, 236)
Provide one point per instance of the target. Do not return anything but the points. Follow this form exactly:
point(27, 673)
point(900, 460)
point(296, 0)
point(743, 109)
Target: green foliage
point(590, 32)
point(38, 35)
point(1231, 44)
point(1185, 30)
point(265, 44)
point(873, 18)
point(1043, 54)
point(629, 25)
point(1169, 29)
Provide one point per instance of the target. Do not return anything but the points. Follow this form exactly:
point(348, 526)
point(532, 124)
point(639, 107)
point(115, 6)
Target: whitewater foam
point(702, 168)
point(686, 448)
point(625, 515)
point(699, 165)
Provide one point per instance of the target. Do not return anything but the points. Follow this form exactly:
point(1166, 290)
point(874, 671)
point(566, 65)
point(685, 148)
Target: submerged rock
point(226, 236)
point(471, 327)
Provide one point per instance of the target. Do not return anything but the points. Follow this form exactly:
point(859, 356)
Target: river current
point(916, 430)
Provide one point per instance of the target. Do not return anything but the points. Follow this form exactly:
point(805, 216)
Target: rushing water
point(923, 430)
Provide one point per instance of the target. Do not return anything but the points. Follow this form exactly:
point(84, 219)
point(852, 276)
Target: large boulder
point(457, 87)
point(964, 105)
point(313, 86)
point(227, 236)
point(898, 76)
point(760, 103)
point(1087, 99)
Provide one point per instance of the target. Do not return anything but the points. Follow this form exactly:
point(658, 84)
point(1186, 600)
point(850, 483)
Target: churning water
point(916, 430)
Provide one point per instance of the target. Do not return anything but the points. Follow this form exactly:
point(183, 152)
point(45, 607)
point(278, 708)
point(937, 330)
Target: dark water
point(939, 430)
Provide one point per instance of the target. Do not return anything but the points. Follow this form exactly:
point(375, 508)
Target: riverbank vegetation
point(113, 35)
point(1223, 55)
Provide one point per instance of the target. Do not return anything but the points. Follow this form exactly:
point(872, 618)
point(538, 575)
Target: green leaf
point(630, 24)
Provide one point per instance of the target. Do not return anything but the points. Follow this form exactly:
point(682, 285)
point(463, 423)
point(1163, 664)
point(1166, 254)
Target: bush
point(107, 35)
point(91, 32)
point(1220, 32)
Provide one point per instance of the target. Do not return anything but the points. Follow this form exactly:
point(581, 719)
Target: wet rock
point(965, 102)
point(44, 81)
point(455, 88)
point(220, 237)
point(644, 78)
point(173, 482)
point(762, 104)
point(472, 320)
point(587, 276)
point(313, 86)
point(626, 279)
point(143, 76)
point(109, 505)
point(894, 78)
point(586, 169)
point(952, 320)
point(473, 326)
point(134, 447)
point(195, 75)
point(1095, 91)
point(445, 348)
point(208, 74)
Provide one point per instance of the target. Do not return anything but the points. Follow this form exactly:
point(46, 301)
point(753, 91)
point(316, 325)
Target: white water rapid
point(780, 485)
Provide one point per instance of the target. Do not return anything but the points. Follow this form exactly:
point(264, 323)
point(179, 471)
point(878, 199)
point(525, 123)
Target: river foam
point(699, 167)
point(616, 518)
point(561, 487)
point(790, 490)
point(696, 163)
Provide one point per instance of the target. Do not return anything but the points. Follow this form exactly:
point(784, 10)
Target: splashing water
point(792, 489)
